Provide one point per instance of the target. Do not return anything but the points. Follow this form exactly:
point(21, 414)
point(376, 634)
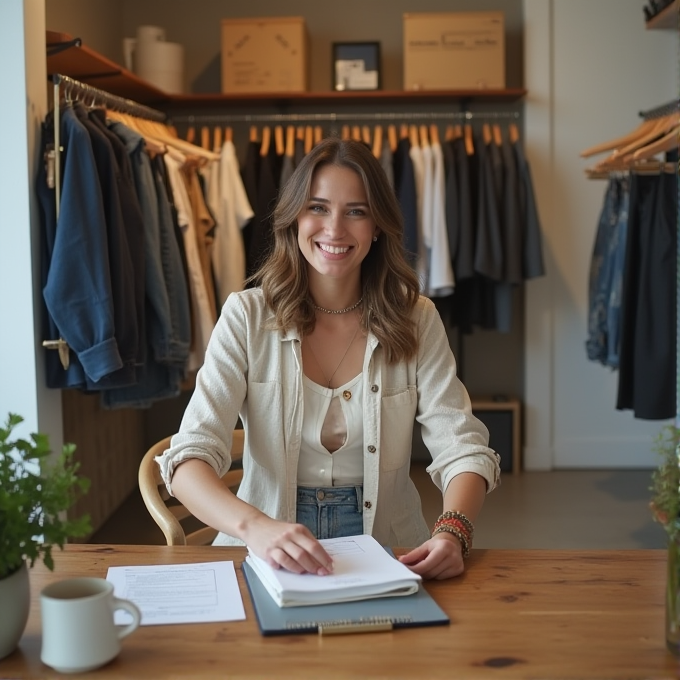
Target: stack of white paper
point(362, 569)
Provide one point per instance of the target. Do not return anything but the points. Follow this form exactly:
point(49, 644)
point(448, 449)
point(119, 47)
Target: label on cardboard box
point(454, 50)
point(264, 55)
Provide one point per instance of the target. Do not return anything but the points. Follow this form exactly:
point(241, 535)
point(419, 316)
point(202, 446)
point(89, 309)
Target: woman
point(327, 363)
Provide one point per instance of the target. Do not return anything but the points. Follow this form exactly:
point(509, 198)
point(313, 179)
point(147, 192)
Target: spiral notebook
point(373, 615)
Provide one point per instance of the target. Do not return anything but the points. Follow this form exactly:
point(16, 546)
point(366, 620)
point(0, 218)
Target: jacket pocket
point(398, 412)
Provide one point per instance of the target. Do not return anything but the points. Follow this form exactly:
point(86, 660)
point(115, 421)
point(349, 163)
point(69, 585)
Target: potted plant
point(666, 508)
point(36, 490)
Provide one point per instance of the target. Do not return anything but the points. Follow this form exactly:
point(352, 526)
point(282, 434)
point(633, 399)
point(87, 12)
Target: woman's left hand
point(438, 558)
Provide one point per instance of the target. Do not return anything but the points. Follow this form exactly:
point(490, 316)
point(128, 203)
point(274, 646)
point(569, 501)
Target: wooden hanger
point(345, 132)
point(253, 135)
point(404, 132)
point(356, 133)
point(618, 142)
point(457, 131)
point(392, 136)
point(228, 134)
point(513, 133)
point(217, 138)
point(290, 141)
point(366, 135)
point(158, 132)
point(300, 133)
point(205, 137)
point(377, 141)
point(309, 138)
point(422, 134)
point(318, 134)
point(664, 125)
point(191, 134)
point(469, 141)
point(278, 140)
point(497, 135)
point(669, 142)
point(486, 133)
point(266, 140)
point(413, 135)
point(434, 134)
point(448, 133)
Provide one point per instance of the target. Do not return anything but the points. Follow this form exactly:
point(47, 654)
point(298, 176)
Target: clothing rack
point(339, 117)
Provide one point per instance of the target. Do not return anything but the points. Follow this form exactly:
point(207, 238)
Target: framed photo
point(356, 66)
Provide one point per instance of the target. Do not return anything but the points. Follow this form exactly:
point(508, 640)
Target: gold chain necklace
point(338, 311)
point(351, 342)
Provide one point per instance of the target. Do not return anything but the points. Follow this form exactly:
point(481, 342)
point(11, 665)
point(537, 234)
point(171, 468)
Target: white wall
point(591, 66)
point(22, 391)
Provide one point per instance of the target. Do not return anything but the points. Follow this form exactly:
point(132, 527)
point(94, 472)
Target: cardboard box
point(264, 55)
point(454, 51)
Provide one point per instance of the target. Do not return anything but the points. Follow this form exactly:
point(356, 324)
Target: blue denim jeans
point(331, 512)
point(606, 270)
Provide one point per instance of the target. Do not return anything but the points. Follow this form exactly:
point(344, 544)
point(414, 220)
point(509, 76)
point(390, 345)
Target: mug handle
point(134, 612)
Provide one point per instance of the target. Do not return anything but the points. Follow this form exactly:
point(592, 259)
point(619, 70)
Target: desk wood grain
point(514, 614)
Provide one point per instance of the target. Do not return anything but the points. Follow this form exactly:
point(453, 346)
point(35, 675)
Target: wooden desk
point(514, 614)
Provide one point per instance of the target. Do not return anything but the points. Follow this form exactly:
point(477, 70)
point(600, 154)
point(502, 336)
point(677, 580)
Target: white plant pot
point(15, 601)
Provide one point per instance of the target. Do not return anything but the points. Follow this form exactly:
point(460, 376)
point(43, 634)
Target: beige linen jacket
point(257, 374)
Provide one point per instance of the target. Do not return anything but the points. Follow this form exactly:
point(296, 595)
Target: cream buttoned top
point(257, 374)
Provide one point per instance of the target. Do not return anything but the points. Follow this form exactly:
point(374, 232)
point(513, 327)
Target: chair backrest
point(176, 522)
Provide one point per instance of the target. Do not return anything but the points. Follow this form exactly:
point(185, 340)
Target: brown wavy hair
point(389, 285)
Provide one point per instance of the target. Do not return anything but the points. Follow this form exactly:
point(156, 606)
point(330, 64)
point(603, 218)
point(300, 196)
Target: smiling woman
point(327, 363)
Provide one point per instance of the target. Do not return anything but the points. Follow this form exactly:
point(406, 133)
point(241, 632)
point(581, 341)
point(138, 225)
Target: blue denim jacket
point(76, 276)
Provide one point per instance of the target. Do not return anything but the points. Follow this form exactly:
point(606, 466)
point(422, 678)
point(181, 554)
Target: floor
point(582, 509)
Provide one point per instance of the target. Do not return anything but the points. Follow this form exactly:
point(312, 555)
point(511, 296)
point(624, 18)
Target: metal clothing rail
point(339, 117)
point(663, 110)
point(95, 97)
point(106, 99)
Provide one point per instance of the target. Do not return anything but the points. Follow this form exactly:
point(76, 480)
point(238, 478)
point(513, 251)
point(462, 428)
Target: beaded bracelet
point(465, 544)
point(454, 514)
point(457, 524)
point(453, 523)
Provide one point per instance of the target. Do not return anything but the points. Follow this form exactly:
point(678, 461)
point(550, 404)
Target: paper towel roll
point(162, 64)
point(150, 34)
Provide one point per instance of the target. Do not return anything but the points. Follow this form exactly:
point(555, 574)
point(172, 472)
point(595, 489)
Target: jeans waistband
point(332, 495)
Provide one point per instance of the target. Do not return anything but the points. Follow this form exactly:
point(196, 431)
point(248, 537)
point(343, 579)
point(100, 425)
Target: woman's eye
point(357, 212)
point(316, 208)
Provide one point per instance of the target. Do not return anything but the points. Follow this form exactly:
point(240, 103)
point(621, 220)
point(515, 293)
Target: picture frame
point(356, 66)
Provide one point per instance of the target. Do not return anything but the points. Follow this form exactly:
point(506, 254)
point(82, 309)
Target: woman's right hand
point(291, 546)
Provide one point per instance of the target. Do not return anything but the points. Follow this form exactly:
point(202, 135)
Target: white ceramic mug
point(78, 633)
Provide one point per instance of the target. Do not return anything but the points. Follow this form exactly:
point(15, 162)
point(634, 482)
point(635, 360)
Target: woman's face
point(335, 227)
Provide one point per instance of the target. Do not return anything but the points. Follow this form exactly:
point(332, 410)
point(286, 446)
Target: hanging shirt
point(441, 281)
point(202, 321)
point(416, 155)
point(233, 212)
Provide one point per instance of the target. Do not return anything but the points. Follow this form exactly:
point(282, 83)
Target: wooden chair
point(176, 522)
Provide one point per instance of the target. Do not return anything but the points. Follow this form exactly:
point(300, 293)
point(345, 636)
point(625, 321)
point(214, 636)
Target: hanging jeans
point(606, 249)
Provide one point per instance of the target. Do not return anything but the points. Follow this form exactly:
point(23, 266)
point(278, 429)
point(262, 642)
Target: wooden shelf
point(90, 67)
point(666, 18)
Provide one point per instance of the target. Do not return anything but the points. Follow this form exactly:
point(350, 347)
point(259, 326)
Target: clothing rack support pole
point(57, 145)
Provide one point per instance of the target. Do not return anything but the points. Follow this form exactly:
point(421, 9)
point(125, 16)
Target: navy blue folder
point(376, 614)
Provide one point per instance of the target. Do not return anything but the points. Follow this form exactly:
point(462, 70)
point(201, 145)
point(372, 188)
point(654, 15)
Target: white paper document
point(362, 569)
point(179, 593)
